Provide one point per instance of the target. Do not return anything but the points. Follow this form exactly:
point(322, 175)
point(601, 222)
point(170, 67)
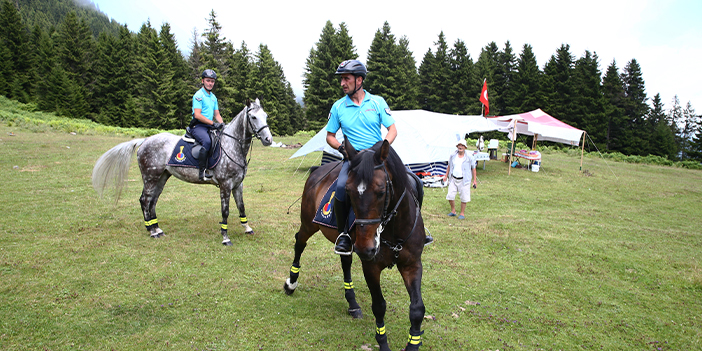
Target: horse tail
point(113, 166)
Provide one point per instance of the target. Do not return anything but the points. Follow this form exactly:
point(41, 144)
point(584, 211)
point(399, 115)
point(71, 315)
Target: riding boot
point(343, 241)
point(202, 166)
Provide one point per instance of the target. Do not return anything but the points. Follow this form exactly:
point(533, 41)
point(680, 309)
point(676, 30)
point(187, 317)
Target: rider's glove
point(218, 126)
point(342, 151)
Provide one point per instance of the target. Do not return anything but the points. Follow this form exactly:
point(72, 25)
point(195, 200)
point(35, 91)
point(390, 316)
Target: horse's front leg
point(300, 244)
point(412, 276)
point(371, 271)
point(239, 199)
point(225, 191)
point(349, 294)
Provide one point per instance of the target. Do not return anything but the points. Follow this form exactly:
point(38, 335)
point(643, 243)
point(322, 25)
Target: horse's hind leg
point(349, 294)
point(149, 197)
point(225, 194)
point(300, 244)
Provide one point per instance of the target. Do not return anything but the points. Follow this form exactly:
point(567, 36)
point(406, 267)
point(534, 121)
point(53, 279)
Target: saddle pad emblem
point(180, 157)
point(327, 208)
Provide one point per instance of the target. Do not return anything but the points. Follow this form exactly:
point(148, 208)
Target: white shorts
point(456, 186)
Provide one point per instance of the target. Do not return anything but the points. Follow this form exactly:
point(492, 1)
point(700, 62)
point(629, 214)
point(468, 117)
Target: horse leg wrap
point(223, 226)
point(291, 282)
point(245, 223)
point(380, 335)
point(414, 341)
point(150, 224)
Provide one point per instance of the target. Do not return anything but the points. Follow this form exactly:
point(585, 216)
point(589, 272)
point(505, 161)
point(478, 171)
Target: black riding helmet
point(355, 67)
point(208, 73)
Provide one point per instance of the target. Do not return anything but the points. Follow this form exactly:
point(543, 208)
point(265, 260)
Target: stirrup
point(428, 240)
point(336, 243)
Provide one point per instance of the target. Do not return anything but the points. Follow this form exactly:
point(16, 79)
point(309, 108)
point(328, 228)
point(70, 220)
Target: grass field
point(608, 259)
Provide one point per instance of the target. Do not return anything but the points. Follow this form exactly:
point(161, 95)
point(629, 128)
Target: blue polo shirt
point(206, 102)
point(360, 124)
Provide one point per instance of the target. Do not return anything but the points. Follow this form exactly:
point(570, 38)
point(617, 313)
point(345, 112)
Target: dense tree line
point(121, 78)
point(75, 62)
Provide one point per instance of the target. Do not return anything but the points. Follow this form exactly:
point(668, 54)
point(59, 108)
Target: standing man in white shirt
point(459, 173)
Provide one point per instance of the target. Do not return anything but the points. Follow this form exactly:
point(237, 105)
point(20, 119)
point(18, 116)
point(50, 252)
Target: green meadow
point(603, 259)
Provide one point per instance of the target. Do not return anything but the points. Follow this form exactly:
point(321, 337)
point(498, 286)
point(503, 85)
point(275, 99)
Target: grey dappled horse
point(153, 155)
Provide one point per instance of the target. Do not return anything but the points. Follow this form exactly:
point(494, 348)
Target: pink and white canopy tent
point(541, 124)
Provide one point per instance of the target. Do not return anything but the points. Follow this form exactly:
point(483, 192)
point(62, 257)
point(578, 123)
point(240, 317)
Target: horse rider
point(359, 115)
point(205, 117)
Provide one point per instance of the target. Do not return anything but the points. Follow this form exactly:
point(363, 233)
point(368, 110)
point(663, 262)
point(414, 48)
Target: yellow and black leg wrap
point(150, 224)
point(414, 341)
point(380, 335)
point(223, 226)
point(243, 220)
point(294, 272)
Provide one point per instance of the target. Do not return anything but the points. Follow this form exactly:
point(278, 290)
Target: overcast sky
point(664, 36)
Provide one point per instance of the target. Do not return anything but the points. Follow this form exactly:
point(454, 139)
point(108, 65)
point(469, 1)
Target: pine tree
point(15, 40)
point(45, 58)
point(695, 152)
point(588, 100)
point(504, 103)
point(635, 109)
point(407, 79)
point(486, 67)
point(173, 104)
point(437, 73)
point(270, 86)
point(527, 81)
point(382, 66)
point(321, 84)
point(558, 86)
point(465, 85)
point(618, 133)
point(688, 129)
point(75, 52)
point(214, 51)
point(241, 76)
point(662, 138)
point(426, 72)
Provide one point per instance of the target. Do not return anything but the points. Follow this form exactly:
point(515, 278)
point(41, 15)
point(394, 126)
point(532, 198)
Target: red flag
point(484, 97)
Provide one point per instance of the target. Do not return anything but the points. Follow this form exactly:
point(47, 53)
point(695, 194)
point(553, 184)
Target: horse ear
point(350, 150)
point(248, 102)
point(384, 151)
point(258, 101)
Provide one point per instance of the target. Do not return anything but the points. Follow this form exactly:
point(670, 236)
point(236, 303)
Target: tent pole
point(511, 151)
point(582, 152)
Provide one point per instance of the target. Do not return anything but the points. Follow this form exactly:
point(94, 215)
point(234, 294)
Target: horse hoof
point(249, 232)
point(157, 235)
point(356, 313)
point(288, 291)
point(227, 243)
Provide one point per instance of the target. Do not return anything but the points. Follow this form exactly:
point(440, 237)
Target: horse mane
point(363, 165)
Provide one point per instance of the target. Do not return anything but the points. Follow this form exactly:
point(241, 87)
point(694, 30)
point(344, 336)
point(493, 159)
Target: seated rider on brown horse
point(205, 117)
point(359, 115)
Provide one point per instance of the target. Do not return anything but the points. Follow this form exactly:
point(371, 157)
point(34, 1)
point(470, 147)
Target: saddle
point(183, 154)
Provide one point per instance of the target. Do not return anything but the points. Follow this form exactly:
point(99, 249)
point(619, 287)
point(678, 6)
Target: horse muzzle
point(367, 241)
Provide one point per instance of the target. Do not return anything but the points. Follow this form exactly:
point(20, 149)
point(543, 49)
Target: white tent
point(423, 137)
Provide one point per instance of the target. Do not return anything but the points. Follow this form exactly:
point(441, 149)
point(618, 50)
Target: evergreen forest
point(73, 61)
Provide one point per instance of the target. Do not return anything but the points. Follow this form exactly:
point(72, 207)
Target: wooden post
point(582, 152)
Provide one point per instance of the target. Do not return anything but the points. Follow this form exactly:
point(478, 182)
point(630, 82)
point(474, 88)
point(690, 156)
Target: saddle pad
point(181, 156)
point(325, 214)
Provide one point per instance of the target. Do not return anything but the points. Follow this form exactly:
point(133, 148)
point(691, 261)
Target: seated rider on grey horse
point(205, 117)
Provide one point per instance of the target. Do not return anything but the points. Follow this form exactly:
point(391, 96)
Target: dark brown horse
point(388, 231)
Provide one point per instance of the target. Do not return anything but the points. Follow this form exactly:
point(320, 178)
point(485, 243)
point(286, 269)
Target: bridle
point(387, 216)
point(246, 137)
